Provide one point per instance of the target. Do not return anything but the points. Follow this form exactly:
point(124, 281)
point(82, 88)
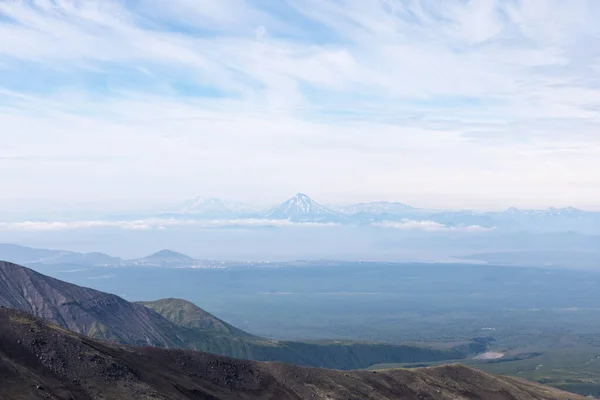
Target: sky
point(480, 104)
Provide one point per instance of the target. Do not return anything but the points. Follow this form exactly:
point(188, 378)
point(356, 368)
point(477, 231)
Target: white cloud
point(432, 226)
point(165, 223)
point(454, 104)
point(154, 223)
point(107, 276)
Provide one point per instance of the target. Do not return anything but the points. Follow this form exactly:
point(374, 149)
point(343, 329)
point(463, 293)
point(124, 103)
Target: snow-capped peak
point(513, 211)
point(211, 205)
point(299, 206)
point(300, 203)
point(564, 211)
point(552, 211)
point(202, 202)
point(377, 207)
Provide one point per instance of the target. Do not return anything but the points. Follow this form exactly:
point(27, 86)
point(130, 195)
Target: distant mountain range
point(210, 212)
point(558, 252)
point(377, 208)
point(176, 323)
point(28, 255)
point(302, 209)
point(163, 258)
point(214, 207)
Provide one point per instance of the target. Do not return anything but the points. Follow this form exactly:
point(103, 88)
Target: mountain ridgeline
point(32, 256)
point(176, 323)
point(28, 255)
point(84, 310)
point(43, 361)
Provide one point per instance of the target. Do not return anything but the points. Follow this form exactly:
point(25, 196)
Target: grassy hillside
point(205, 332)
point(188, 315)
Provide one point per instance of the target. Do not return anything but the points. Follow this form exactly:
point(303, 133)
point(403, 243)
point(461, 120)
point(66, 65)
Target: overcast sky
point(463, 104)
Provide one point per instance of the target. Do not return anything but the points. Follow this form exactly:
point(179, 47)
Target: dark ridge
point(83, 310)
point(38, 361)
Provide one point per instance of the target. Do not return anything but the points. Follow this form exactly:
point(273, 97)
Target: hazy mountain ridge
point(28, 255)
point(568, 250)
point(377, 207)
point(38, 360)
point(163, 258)
point(212, 207)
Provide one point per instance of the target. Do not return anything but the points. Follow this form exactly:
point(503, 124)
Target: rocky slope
point(84, 310)
point(41, 361)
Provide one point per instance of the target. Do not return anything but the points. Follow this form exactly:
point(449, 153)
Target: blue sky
point(467, 104)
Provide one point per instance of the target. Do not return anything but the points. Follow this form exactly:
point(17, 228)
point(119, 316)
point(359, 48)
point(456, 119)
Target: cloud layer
point(481, 103)
point(432, 226)
point(166, 223)
point(154, 223)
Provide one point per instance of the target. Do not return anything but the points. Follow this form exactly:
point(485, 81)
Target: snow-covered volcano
point(211, 207)
point(301, 208)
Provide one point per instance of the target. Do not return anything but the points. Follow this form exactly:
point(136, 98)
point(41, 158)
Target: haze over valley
point(302, 228)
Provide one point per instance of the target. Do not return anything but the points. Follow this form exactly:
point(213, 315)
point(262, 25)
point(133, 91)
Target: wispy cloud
point(459, 103)
point(73, 270)
point(108, 276)
point(432, 226)
point(154, 223)
point(166, 223)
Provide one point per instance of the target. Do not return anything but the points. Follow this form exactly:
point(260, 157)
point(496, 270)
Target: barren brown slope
point(84, 310)
point(43, 361)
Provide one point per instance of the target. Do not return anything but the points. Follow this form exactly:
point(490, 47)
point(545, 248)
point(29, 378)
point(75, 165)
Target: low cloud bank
point(431, 226)
point(153, 223)
point(165, 223)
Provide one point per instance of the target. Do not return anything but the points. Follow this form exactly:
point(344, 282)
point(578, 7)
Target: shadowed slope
point(84, 310)
point(44, 361)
